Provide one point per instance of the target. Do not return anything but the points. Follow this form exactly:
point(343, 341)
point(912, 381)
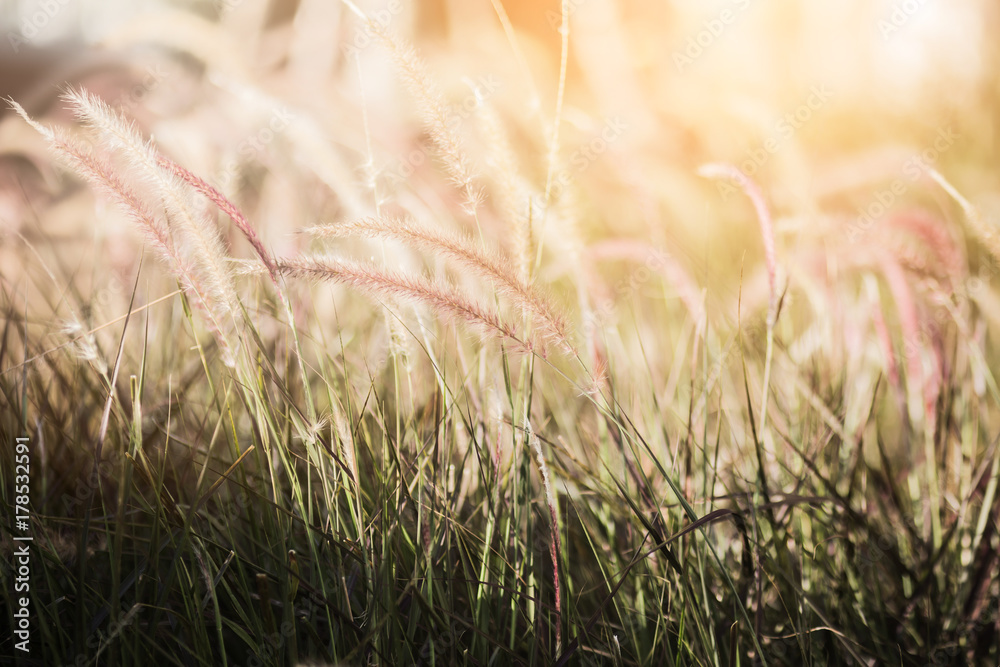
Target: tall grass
point(470, 417)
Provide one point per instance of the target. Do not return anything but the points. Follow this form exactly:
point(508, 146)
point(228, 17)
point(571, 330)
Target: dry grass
point(728, 395)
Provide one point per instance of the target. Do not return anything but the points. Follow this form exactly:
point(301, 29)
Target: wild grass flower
point(987, 233)
point(379, 283)
point(487, 263)
point(434, 112)
point(390, 509)
point(229, 209)
point(208, 287)
point(514, 197)
point(939, 254)
point(85, 345)
point(137, 155)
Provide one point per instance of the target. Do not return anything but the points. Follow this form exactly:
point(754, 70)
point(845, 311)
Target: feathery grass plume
point(513, 194)
point(988, 234)
point(84, 345)
point(138, 154)
point(101, 175)
point(752, 190)
point(937, 254)
point(439, 120)
point(488, 264)
point(227, 207)
point(599, 377)
point(567, 246)
point(377, 282)
point(554, 543)
point(346, 440)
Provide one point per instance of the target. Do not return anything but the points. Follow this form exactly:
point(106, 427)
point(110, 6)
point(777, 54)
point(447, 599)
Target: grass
point(504, 416)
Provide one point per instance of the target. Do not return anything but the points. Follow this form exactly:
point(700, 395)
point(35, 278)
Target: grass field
point(492, 332)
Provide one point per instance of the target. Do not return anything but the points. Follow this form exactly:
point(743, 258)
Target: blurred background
point(813, 100)
point(296, 112)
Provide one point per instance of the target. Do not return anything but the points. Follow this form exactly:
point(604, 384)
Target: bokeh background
point(294, 111)
point(868, 128)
